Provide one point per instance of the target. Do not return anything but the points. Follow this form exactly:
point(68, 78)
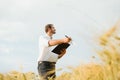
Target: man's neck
point(50, 35)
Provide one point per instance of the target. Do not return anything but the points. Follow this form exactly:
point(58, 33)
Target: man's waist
point(39, 62)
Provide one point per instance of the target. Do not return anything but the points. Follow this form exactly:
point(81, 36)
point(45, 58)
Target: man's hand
point(67, 40)
point(62, 52)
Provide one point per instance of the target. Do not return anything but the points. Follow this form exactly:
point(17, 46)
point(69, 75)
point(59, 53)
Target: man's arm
point(58, 41)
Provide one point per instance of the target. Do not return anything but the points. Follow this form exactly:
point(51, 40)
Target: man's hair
point(48, 26)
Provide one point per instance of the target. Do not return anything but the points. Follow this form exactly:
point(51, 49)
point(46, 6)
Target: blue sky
point(23, 21)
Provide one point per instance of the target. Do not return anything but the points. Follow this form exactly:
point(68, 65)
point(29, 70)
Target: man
point(47, 59)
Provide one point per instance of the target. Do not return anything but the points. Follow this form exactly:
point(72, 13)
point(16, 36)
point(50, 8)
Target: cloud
point(5, 50)
point(13, 31)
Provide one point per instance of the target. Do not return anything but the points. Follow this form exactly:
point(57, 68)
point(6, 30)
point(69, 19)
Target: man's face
point(53, 30)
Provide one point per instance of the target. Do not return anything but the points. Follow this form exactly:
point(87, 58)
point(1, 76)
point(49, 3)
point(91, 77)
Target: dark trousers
point(46, 70)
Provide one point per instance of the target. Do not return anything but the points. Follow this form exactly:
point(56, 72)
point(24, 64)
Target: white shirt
point(45, 50)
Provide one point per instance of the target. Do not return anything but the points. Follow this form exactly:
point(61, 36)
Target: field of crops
point(109, 55)
point(108, 70)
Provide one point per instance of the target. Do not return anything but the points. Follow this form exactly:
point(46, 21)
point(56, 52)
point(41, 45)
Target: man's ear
point(49, 29)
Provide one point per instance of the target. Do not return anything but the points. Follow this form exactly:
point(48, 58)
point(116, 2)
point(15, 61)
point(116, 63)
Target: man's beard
point(54, 32)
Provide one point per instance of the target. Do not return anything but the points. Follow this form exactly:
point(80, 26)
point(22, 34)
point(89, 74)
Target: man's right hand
point(66, 40)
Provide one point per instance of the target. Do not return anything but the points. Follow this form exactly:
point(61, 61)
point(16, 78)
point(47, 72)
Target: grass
point(108, 70)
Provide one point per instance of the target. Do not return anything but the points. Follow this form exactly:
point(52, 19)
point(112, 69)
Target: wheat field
point(108, 70)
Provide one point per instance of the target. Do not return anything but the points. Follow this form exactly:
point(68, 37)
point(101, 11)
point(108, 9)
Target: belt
point(39, 62)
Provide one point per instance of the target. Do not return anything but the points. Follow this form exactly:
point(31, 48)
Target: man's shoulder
point(43, 37)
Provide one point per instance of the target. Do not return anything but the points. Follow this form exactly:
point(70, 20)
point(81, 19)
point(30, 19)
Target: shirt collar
point(50, 37)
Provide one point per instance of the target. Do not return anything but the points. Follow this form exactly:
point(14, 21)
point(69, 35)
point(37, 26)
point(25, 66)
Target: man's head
point(49, 28)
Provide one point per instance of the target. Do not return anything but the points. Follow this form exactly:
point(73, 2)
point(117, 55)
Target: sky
point(23, 21)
